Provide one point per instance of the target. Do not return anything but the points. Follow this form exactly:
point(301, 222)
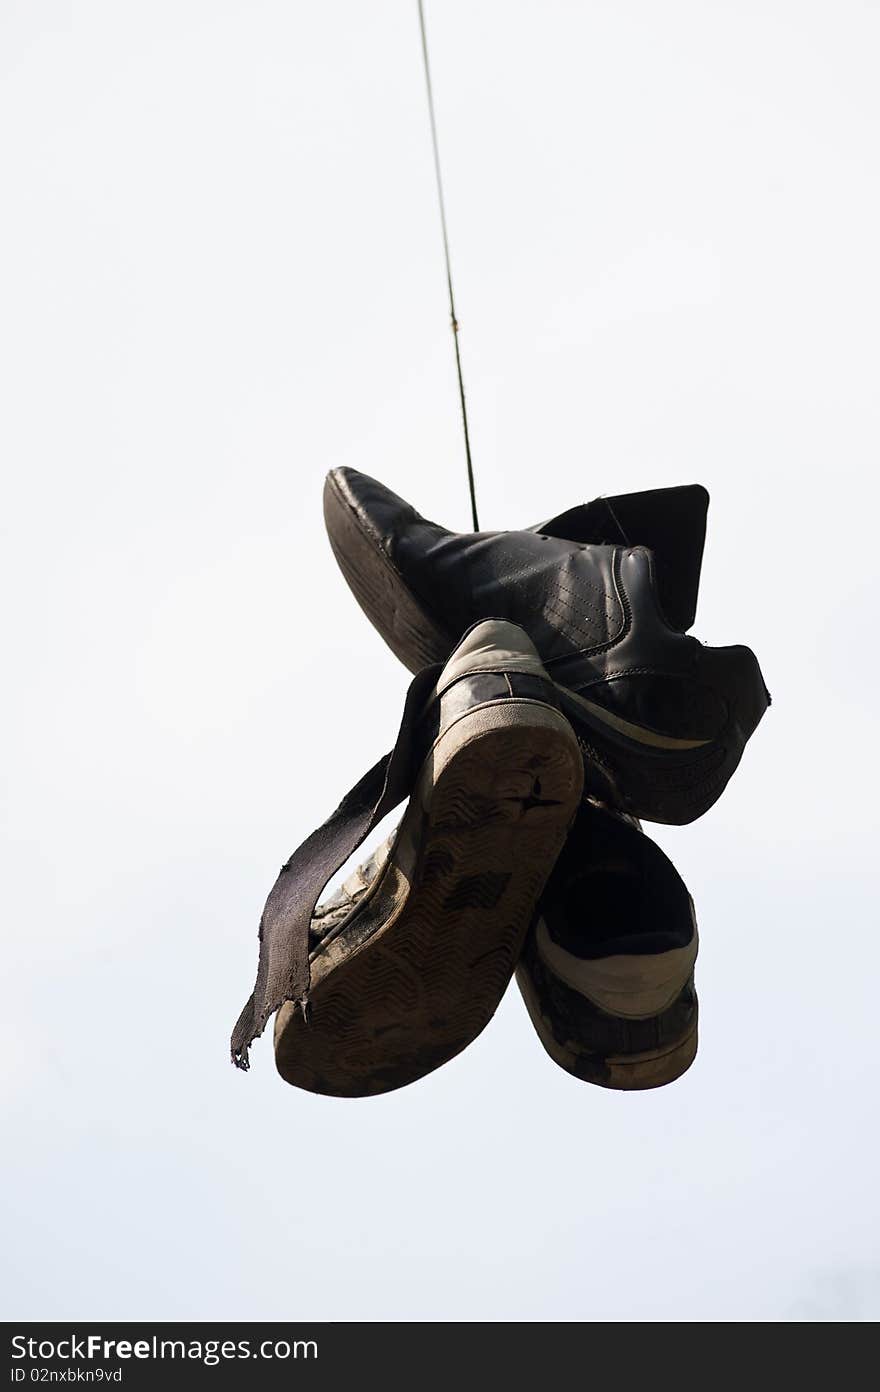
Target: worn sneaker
point(607, 972)
point(405, 967)
point(606, 592)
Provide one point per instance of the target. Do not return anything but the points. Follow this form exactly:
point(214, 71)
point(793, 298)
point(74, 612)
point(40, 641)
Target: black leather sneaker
point(607, 972)
point(404, 968)
point(606, 592)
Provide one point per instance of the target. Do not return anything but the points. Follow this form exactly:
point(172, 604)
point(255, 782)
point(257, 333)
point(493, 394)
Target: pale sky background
point(221, 276)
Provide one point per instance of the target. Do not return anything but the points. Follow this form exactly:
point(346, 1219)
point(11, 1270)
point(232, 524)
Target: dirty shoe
point(406, 966)
point(607, 972)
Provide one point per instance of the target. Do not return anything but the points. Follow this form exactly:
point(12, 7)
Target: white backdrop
point(222, 275)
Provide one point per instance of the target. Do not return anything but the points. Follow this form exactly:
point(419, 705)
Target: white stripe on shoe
point(640, 733)
point(631, 986)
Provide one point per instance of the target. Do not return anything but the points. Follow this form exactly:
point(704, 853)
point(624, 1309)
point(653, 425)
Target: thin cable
point(467, 442)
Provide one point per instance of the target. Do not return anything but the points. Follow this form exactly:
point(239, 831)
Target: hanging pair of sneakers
point(558, 699)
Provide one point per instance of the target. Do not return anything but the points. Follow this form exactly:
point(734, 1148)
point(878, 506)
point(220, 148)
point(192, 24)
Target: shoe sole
point(407, 626)
point(451, 907)
point(620, 1072)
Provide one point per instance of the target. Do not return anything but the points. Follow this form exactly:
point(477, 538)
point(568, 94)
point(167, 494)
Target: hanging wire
point(467, 442)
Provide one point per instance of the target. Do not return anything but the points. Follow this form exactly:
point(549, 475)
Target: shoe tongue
point(671, 522)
